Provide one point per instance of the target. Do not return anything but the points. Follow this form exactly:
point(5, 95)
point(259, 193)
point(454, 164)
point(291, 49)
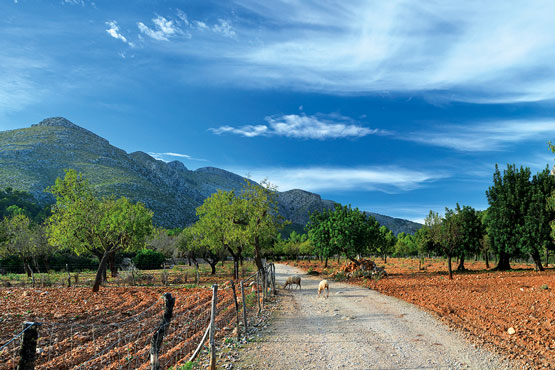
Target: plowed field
point(480, 303)
point(108, 330)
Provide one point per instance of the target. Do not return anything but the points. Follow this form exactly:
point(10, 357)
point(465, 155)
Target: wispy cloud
point(302, 127)
point(163, 29)
point(113, 30)
point(486, 136)
point(389, 179)
point(163, 156)
point(224, 27)
point(469, 51)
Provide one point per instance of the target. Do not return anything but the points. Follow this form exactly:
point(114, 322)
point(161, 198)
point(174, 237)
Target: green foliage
point(507, 198)
point(260, 217)
point(147, 259)
point(21, 202)
point(405, 245)
point(345, 230)
point(293, 247)
point(221, 223)
point(518, 217)
point(84, 223)
point(18, 238)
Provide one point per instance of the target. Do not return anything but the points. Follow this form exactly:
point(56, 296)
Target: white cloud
point(470, 51)
point(183, 16)
point(224, 27)
point(75, 2)
point(163, 30)
point(163, 156)
point(389, 179)
point(113, 31)
point(302, 127)
point(201, 25)
point(486, 136)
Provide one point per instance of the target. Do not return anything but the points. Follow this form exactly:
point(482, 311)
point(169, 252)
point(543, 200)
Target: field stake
point(245, 324)
point(213, 327)
point(236, 310)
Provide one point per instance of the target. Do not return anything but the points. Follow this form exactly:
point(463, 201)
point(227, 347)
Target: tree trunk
point(487, 259)
point(461, 263)
point(326, 263)
point(546, 258)
point(385, 258)
point(449, 267)
point(258, 256)
point(113, 266)
point(100, 273)
point(504, 262)
point(537, 260)
point(27, 269)
point(354, 260)
point(212, 264)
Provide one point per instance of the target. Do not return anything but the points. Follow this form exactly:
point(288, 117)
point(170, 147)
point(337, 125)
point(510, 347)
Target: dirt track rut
point(357, 328)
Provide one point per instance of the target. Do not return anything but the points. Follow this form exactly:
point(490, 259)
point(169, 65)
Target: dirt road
point(357, 328)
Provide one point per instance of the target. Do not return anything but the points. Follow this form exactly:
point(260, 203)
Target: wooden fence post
point(158, 337)
point(28, 349)
point(236, 310)
point(213, 327)
point(68, 276)
point(245, 324)
point(273, 279)
point(257, 291)
point(264, 286)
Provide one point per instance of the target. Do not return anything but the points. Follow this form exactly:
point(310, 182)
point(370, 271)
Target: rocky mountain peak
point(65, 123)
point(57, 121)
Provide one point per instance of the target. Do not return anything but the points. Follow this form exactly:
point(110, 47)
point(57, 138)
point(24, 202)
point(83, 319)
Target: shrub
point(340, 276)
point(147, 259)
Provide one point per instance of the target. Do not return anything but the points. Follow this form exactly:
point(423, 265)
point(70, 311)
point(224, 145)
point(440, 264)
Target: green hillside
point(32, 158)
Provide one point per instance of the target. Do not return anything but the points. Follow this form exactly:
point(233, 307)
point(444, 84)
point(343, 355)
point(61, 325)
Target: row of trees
point(247, 223)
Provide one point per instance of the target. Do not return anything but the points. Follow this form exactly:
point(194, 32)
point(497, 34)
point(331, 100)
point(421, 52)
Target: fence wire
point(125, 344)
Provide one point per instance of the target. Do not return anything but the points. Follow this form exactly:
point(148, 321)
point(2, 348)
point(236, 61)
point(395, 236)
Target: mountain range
point(32, 158)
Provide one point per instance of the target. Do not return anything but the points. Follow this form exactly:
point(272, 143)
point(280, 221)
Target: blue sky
point(396, 107)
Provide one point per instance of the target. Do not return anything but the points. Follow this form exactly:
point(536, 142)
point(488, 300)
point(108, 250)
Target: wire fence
point(125, 340)
point(150, 275)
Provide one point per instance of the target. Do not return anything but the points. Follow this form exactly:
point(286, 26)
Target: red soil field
point(110, 329)
point(480, 303)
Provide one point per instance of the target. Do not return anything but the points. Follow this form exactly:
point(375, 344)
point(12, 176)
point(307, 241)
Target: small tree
point(445, 233)
point(471, 232)
point(221, 224)
point(19, 239)
point(319, 232)
point(508, 198)
point(84, 223)
point(261, 217)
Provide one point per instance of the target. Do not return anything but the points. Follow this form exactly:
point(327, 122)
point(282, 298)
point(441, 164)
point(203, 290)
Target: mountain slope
point(32, 158)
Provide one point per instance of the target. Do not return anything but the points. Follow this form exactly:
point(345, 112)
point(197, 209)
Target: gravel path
point(357, 328)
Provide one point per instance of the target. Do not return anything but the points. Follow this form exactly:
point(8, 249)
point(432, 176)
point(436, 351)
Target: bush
point(147, 259)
